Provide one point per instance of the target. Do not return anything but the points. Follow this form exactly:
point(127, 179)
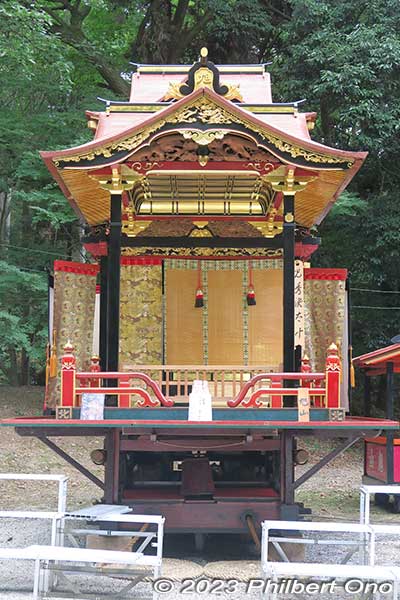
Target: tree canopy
point(58, 56)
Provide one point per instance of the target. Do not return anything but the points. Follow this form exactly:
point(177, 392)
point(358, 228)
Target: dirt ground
point(28, 455)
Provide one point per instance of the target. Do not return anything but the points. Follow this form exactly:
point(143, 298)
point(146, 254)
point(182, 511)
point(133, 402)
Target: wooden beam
point(325, 460)
point(206, 242)
point(50, 444)
point(287, 467)
point(111, 473)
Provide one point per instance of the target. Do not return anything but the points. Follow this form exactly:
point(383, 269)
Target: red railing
point(276, 390)
point(321, 389)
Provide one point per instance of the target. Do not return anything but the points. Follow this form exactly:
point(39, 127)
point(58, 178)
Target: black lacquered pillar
point(103, 312)
point(288, 282)
point(389, 415)
point(113, 282)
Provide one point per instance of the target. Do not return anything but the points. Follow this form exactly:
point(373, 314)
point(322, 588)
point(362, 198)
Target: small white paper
point(200, 402)
point(92, 407)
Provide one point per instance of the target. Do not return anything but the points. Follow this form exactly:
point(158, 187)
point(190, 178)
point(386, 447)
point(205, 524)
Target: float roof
point(230, 103)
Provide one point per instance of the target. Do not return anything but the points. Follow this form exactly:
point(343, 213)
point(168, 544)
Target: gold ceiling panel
point(311, 202)
point(225, 193)
point(93, 202)
point(198, 193)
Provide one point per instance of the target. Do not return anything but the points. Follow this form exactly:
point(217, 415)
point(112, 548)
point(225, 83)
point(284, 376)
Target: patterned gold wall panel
point(184, 323)
point(140, 315)
point(265, 319)
point(324, 314)
point(225, 317)
point(74, 301)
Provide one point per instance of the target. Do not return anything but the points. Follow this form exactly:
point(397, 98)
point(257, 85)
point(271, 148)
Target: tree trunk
point(24, 376)
point(13, 370)
point(5, 217)
point(326, 122)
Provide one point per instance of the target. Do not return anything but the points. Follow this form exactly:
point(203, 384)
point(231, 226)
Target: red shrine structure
point(199, 197)
point(381, 453)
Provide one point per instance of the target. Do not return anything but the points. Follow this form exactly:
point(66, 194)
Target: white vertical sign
point(299, 338)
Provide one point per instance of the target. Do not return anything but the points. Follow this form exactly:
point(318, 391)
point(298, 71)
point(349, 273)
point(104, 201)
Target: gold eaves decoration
point(207, 112)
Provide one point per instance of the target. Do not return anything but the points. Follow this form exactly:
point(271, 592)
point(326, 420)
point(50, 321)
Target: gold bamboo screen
point(184, 322)
point(225, 330)
point(225, 318)
point(266, 319)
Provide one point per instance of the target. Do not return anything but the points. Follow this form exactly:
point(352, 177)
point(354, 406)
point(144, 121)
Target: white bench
point(330, 572)
point(364, 542)
point(108, 517)
point(154, 539)
point(365, 497)
point(72, 560)
point(53, 516)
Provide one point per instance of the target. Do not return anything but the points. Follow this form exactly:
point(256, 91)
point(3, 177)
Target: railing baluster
point(160, 378)
point(178, 382)
point(167, 392)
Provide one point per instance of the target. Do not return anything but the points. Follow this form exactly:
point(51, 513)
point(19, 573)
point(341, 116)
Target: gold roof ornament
point(203, 74)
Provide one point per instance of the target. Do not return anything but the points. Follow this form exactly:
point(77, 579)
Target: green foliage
point(23, 330)
point(42, 106)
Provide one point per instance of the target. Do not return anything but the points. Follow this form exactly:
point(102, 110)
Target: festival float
point(199, 198)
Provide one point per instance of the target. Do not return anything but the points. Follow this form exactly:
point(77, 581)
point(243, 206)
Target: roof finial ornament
point(203, 74)
point(203, 55)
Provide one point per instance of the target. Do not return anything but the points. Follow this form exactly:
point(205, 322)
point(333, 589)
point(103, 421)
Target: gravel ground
point(332, 494)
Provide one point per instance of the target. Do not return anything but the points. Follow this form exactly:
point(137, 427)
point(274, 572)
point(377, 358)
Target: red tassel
point(199, 301)
point(251, 295)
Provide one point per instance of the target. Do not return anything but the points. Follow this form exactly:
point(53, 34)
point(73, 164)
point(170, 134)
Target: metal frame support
point(74, 463)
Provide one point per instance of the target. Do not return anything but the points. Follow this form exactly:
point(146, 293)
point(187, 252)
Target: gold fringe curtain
point(73, 310)
point(140, 313)
point(324, 315)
